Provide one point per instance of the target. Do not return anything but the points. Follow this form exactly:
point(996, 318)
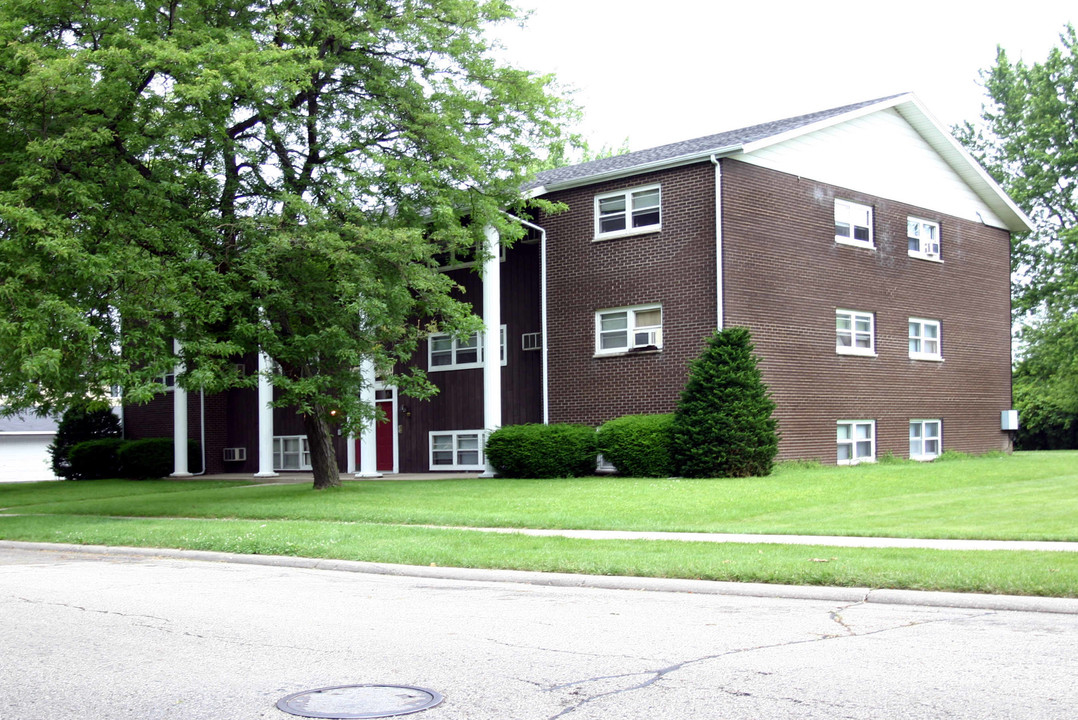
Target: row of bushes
point(721, 427)
point(119, 458)
point(637, 445)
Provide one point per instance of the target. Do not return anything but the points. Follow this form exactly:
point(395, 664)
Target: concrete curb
point(968, 601)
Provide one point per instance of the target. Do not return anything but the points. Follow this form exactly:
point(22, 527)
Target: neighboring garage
point(24, 442)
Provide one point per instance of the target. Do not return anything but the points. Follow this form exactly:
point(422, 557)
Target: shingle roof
point(574, 174)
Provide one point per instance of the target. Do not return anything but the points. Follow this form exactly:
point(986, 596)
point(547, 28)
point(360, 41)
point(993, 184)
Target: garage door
point(24, 457)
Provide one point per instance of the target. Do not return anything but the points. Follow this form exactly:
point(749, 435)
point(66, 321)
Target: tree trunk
point(323, 457)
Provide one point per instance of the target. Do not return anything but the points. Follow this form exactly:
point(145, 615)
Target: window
point(445, 352)
point(925, 339)
point(168, 380)
point(856, 441)
point(926, 439)
point(924, 238)
point(457, 450)
point(853, 223)
point(291, 452)
point(623, 329)
point(627, 212)
point(854, 333)
point(531, 341)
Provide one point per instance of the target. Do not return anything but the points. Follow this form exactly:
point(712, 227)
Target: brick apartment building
point(867, 253)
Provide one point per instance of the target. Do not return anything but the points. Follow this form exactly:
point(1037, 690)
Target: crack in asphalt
point(658, 674)
point(31, 601)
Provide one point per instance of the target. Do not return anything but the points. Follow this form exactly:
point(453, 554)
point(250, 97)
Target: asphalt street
point(117, 637)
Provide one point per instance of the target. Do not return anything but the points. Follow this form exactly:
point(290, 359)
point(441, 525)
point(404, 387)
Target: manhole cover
point(346, 702)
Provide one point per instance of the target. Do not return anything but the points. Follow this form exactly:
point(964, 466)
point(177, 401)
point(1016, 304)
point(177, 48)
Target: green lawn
point(1025, 496)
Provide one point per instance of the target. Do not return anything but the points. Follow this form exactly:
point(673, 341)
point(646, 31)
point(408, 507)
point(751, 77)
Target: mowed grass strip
point(1000, 572)
point(1027, 496)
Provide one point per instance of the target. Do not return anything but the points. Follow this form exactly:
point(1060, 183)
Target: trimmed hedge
point(95, 459)
point(638, 445)
point(76, 426)
point(542, 451)
point(153, 458)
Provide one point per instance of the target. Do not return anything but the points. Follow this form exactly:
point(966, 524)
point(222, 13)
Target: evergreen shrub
point(638, 445)
point(542, 451)
point(79, 424)
point(153, 458)
point(722, 426)
point(95, 459)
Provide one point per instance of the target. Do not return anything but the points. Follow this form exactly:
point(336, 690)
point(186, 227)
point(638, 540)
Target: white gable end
point(879, 154)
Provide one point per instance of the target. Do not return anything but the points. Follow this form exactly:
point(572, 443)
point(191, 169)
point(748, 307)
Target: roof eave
point(665, 164)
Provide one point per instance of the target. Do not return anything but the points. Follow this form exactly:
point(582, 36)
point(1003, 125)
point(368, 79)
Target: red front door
point(383, 439)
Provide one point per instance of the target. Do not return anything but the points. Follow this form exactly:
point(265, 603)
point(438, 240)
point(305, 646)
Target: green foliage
point(244, 176)
point(952, 455)
point(1027, 139)
point(723, 426)
point(95, 459)
point(150, 458)
point(78, 425)
point(638, 445)
point(1046, 385)
point(542, 451)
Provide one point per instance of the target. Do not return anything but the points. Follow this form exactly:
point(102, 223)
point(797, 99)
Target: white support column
point(179, 421)
point(350, 455)
point(492, 339)
point(368, 451)
point(265, 417)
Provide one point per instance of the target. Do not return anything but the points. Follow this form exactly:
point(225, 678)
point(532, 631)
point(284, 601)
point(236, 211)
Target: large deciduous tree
point(1027, 139)
point(239, 175)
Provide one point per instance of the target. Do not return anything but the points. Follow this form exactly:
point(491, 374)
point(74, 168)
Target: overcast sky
point(667, 70)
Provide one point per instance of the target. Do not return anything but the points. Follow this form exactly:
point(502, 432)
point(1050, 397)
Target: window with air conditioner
point(923, 237)
point(622, 330)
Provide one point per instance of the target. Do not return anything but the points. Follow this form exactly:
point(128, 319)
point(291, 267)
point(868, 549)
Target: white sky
point(666, 70)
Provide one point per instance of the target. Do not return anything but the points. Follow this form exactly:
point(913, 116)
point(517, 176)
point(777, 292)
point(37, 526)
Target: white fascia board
point(964, 164)
point(826, 123)
point(701, 156)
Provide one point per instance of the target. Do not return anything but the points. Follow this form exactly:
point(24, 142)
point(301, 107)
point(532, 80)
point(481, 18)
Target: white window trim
point(870, 243)
point(935, 357)
point(853, 349)
point(629, 230)
point(431, 367)
point(456, 434)
point(854, 459)
point(924, 457)
point(931, 257)
point(304, 452)
point(630, 330)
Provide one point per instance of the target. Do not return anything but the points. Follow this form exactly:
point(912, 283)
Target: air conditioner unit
point(932, 249)
point(235, 454)
point(531, 341)
point(647, 338)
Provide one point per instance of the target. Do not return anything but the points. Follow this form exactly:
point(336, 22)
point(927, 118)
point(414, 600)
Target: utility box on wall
point(1009, 420)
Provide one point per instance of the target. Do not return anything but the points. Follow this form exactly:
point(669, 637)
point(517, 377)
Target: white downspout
point(542, 315)
point(719, 309)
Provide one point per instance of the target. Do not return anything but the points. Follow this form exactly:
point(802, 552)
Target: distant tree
point(722, 424)
point(244, 176)
point(1027, 139)
point(79, 424)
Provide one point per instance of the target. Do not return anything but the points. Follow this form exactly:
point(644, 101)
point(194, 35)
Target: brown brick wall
point(674, 267)
point(786, 276)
